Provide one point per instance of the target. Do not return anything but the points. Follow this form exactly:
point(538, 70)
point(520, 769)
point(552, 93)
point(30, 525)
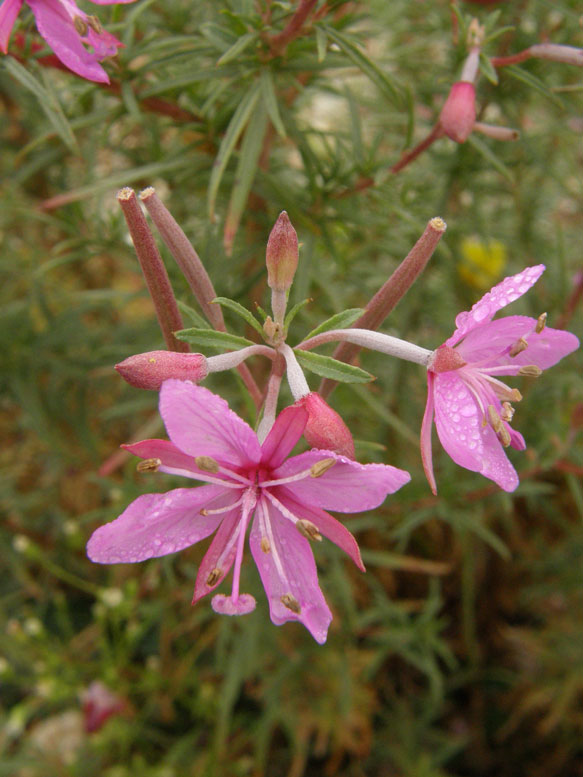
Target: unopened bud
point(530, 371)
point(149, 370)
point(282, 254)
point(458, 114)
point(325, 429)
point(291, 603)
point(149, 465)
point(540, 323)
point(519, 346)
point(206, 464)
point(309, 530)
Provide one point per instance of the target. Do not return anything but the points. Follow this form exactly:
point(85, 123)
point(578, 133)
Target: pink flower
point(284, 500)
point(471, 404)
point(458, 115)
point(67, 30)
point(99, 704)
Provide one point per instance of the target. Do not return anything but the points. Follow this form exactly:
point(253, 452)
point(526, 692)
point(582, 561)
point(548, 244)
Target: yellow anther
point(318, 469)
point(207, 464)
point(519, 346)
point(291, 603)
point(507, 413)
point(498, 426)
point(214, 576)
point(80, 25)
point(540, 323)
point(265, 545)
point(149, 465)
point(308, 530)
point(531, 371)
point(95, 24)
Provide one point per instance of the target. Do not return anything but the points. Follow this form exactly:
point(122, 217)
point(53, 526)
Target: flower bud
point(281, 255)
point(458, 115)
point(325, 429)
point(149, 370)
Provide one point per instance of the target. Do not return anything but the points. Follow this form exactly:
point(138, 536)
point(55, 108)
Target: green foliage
point(459, 652)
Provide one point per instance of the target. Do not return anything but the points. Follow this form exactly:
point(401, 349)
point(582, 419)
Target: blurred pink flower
point(99, 704)
point(286, 499)
point(67, 30)
point(471, 404)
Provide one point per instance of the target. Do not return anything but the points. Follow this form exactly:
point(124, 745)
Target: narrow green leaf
point(249, 153)
point(261, 312)
point(485, 150)
point(339, 321)
point(234, 130)
point(213, 339)
point(225, 302)
point(487, 69)
point(195, 318)
point(47, 99)
point(237, 48)
point(270, 101)
point(294, 311)
point(321, 43)
point(364, 64)
point(327, 367)
point(534, 82)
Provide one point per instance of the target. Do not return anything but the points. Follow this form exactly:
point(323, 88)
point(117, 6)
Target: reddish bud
point(99, 704)
point(458, 115)
point(149, 370)
point(281, 255)
point(325, 429)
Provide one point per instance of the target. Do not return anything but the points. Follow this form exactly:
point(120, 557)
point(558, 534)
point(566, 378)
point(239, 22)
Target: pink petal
point(158, 524)
point(426, 428)
point(104, 43)
point(9, 10)
point(458, 420)
point(112, 2)
point(171, 457)
point(348, 486)
point(213, 554)
point(57, 28)
point(499, 296)
point(326, 524)
point(516, 439)
point(286, 431)
point(296, 575)
point(200, 423)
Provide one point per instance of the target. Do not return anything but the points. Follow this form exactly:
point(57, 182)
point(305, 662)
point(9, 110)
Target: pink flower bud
point(149, 370)
point(325, 429)
point(282, 254)
point(458, 115)
point(99, 704)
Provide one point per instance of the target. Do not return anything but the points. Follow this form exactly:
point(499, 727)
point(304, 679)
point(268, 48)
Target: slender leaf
point(294, 311)
point(234, 130)
point(487, 69)
point(327, 367)
point(270, 101)
point(211, 338)
point(321, 43)
point(495, 161)
point(47, 99)
point(225, 302)
point(534, 82)
point(195, 318)
point(237, 48)
point(340, 321)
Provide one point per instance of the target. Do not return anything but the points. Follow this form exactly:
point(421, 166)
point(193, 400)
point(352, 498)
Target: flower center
point(445, 359)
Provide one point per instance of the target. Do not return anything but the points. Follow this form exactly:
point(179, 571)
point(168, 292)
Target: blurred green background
point(460, 652)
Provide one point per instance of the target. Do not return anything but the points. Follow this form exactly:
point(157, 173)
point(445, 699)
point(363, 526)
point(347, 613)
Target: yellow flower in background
point(482, 263)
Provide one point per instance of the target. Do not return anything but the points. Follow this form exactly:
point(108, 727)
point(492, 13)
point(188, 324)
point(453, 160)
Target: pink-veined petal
point(201, 423)
point(499, 296)
point(328, 526)
point(347, 486)
point(289, 569)
point(158, 524)
point(222, 540)
point(9, 10)
point(286, 431)
point(57, 28)
point(426, 428)
point(458, 421)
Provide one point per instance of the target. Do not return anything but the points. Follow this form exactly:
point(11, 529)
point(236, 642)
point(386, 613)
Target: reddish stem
point(278, 43)
point(409, 156)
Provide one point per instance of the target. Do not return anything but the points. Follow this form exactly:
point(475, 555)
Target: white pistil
point(188, 473)
point(375, 341)
point(295, 376)
point(249, 502)
point(219, 510)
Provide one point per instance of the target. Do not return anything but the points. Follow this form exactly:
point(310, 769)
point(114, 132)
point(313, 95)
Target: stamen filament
point(203, 477)
point(219, 510)
point(273, 547)
point(306, 473)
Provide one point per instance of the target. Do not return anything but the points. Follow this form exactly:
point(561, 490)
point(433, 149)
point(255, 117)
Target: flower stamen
point(214, 576)
point(309, 530)
point(530, 371)
point(540, 323)
point(290, 601)
point(498, 426)
point(519, 346)
point(149, 465)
